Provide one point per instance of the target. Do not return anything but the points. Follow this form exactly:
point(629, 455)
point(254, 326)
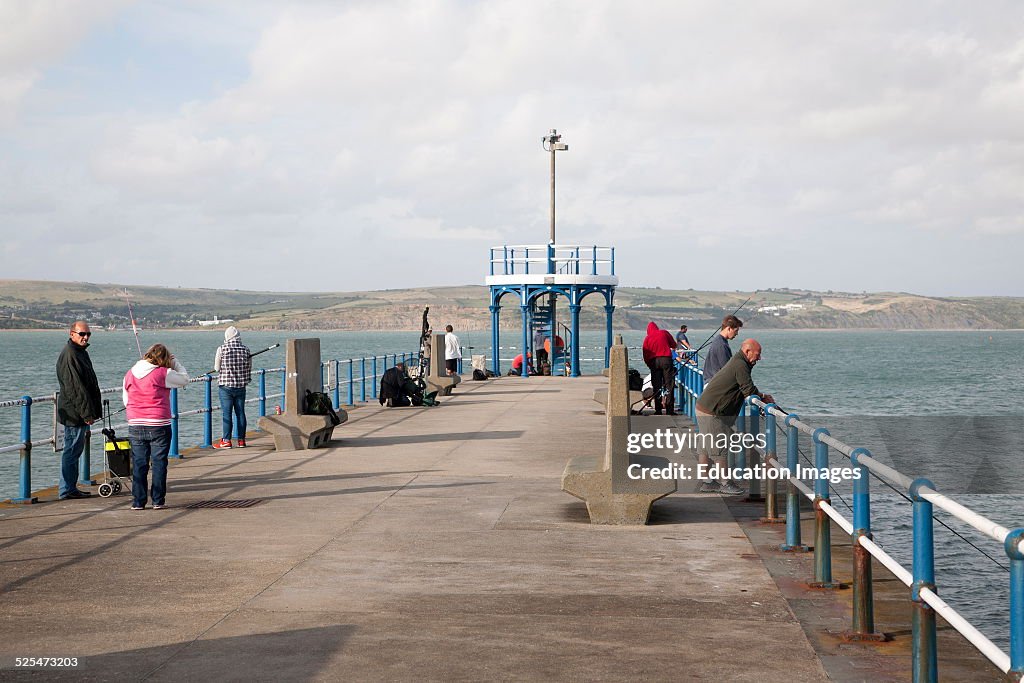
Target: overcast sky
point(363, 145)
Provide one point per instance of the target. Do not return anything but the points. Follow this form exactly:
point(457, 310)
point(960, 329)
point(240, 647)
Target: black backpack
point(479, 375)
point(319, 403)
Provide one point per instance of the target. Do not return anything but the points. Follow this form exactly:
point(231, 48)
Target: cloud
point(33, 35)
point(692, 126)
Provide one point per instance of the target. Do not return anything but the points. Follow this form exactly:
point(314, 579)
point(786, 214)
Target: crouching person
point(394, 385)
point(146, 393)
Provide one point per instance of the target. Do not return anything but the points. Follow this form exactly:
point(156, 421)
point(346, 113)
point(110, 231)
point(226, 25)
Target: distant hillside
point(35, 304)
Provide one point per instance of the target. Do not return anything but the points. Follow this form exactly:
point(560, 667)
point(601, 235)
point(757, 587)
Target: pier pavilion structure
point(537, 275)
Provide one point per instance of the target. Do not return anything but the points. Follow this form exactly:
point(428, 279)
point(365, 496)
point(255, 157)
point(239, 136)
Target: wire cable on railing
point(908, 499)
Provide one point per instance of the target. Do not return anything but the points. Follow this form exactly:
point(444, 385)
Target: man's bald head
point(751, 350)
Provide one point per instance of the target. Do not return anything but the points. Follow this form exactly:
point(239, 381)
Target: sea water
point(942, 405)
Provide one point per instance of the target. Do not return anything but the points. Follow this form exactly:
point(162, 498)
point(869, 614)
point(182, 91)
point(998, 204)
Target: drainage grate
point(219, 504)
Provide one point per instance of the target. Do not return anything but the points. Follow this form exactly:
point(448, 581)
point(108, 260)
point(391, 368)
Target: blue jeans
point(74, 446)
point(149, 444)
point(232, 400)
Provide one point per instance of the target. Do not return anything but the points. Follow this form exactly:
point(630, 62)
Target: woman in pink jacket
point(147, 396)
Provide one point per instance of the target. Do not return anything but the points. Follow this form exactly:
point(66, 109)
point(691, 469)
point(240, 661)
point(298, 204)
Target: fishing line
point(131, 315)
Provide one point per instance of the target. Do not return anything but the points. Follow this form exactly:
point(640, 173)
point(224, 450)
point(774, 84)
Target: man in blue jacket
point(719, 352)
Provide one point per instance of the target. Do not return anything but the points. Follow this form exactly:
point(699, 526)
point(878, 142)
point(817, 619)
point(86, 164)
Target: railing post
point(793, 543)
point(284, 389)
point(25, 473)
point(738, 459)
point(822, 522)
point(613, 261)
point(351, 383)
point(374, 387)
point(771, 505)
point(1012, 546)
point(362, 378)
point(337, 385)
point(752, 456)
point(593, 269)
point(174, 452)
point(207, 412)
point(263, 392)
point(681, 398)
point(863, 591)
point(925, 666)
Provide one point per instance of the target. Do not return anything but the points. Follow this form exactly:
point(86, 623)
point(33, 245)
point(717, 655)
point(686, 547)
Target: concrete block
point(602, 481)
point(438, 379)
point(294, 431)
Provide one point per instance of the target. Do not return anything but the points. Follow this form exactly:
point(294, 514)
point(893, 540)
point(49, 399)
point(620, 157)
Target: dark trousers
point(663, 376)
point(149, 444)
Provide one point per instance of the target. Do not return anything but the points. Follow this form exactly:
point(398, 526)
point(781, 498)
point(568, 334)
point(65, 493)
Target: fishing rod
point(251, 355)
point(708, 340)
point(131, 315)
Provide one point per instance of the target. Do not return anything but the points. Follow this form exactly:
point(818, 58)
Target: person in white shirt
point(452, 351)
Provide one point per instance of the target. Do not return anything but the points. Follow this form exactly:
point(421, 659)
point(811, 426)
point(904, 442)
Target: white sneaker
point(710, 487)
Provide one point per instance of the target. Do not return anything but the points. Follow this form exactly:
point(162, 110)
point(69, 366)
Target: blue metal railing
point(331, 384)
point(547, 259)
point(924, 497)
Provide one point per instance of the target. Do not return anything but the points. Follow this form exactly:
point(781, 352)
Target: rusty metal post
point(792, 544)
point(863, 590)
point(752, 456)
point(771, 511)
point(822, 523)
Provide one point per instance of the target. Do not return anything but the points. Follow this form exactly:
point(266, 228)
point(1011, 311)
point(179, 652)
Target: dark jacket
point(719, 354)
point(724, 395)
point(393, 385)
point(79, 398)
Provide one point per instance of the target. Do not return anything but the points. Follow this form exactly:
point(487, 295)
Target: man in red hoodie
point(658, 347)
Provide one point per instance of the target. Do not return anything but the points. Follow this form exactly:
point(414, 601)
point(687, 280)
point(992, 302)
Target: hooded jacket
point(79, 398)
point(658, 343)
point(146, 392)
point(233, 361)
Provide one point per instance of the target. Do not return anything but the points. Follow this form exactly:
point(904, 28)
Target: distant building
point(215, 321)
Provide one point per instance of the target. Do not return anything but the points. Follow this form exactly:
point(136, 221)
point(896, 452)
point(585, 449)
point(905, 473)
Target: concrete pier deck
point(425, 544)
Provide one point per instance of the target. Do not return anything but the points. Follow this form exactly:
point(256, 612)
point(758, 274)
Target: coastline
point(584, 329)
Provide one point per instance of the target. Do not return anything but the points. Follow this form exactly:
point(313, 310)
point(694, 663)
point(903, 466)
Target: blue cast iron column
point(1012, 546)
point(495, 339)
point(526, 337)
point(608, 310)
point(574, 311)
point(925, 666)
point(25, 461)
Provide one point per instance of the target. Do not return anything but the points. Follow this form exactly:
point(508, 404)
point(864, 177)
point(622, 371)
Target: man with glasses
point(78, 405)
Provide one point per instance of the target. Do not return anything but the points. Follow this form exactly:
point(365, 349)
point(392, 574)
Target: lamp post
point(552, 143)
